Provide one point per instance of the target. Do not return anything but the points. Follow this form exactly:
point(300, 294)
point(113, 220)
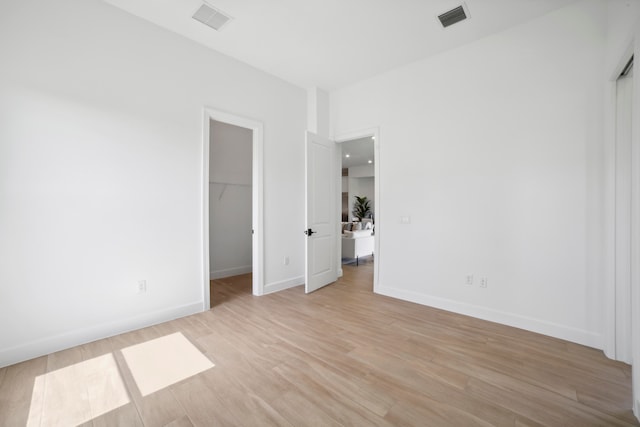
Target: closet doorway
point(232, 205)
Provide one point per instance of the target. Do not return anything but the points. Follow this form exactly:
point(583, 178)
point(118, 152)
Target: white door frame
point(612, 205)
point(610, 314)
point(256, 199)
point(379, 229)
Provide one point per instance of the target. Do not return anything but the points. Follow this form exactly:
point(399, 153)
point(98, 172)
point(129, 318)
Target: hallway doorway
point(358, 205)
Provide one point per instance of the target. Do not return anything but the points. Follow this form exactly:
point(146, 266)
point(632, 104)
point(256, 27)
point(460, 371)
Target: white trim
point(610, 328)
point(229, 272)
point(257, 197)
point(77, 337)
point(635, 231)
point(348, 136)
point(611, 204)
point(283, 284)
point(515, 320)
point(206, 292)
point(609, 219)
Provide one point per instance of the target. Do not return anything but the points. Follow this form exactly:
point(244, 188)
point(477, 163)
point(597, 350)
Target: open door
point(321, 230)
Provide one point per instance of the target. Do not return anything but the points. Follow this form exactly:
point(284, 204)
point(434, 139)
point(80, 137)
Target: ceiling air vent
point(453, 16)
point(211, 17)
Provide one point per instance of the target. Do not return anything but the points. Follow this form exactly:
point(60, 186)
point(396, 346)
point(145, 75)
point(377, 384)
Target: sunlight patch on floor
point(164, 361)
point(78, 393)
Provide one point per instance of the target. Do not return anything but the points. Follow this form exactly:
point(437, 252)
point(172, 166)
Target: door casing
point(257, 217)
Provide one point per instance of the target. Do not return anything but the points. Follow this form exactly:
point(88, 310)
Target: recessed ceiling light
point(370, 161)
point(373, 137)
point(346, 155)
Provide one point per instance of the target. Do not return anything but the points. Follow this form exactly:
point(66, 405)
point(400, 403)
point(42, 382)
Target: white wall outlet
point(484, 282)
point(405, 219)
point(142, 286)
point(469, 281)
point(286, 260)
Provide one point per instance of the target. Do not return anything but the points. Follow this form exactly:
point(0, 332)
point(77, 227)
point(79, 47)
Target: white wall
point(494, 152)
point(230, 207)
point(362, 171)
point(318, 111)
point(101, 180)
point(230, 154)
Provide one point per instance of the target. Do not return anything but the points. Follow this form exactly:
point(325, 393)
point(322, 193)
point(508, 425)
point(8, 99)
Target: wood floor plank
point(96, 349)
point(500, 373)
point(346, 356)
point(607, 403)
point(157, 409)
point(183, 421)
point(301, 412)
point(345, 378)
point(419, 387)
point(64, 358)
point(327, 397)
point(245, 402)
point(249, 373)
point(432, 414)
point(203, 407)
point(543, 408)
point(16, 391)
point(126, 415)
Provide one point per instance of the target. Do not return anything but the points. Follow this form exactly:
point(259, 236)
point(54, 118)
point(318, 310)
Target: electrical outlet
point(469, 281)
point(142, 286)
point(286, 260)
point(484, 282)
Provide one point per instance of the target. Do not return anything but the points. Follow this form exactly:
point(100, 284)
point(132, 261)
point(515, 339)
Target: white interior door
point(321, 227)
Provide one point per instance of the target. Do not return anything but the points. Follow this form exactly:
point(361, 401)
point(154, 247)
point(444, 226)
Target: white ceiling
point(360, 151)
point(333, 43)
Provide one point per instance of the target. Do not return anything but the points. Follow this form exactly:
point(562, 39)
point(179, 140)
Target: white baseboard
point(228, 272)
point(270, 288)
point(568, 333)
point(70, 339)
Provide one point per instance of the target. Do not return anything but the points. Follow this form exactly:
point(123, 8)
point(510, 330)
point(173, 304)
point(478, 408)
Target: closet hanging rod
point(229, 183)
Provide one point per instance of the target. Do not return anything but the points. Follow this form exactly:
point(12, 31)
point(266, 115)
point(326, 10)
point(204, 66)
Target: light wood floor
point(344, 356)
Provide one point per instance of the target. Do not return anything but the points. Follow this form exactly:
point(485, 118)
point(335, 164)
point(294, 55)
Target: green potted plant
point(362, 208)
